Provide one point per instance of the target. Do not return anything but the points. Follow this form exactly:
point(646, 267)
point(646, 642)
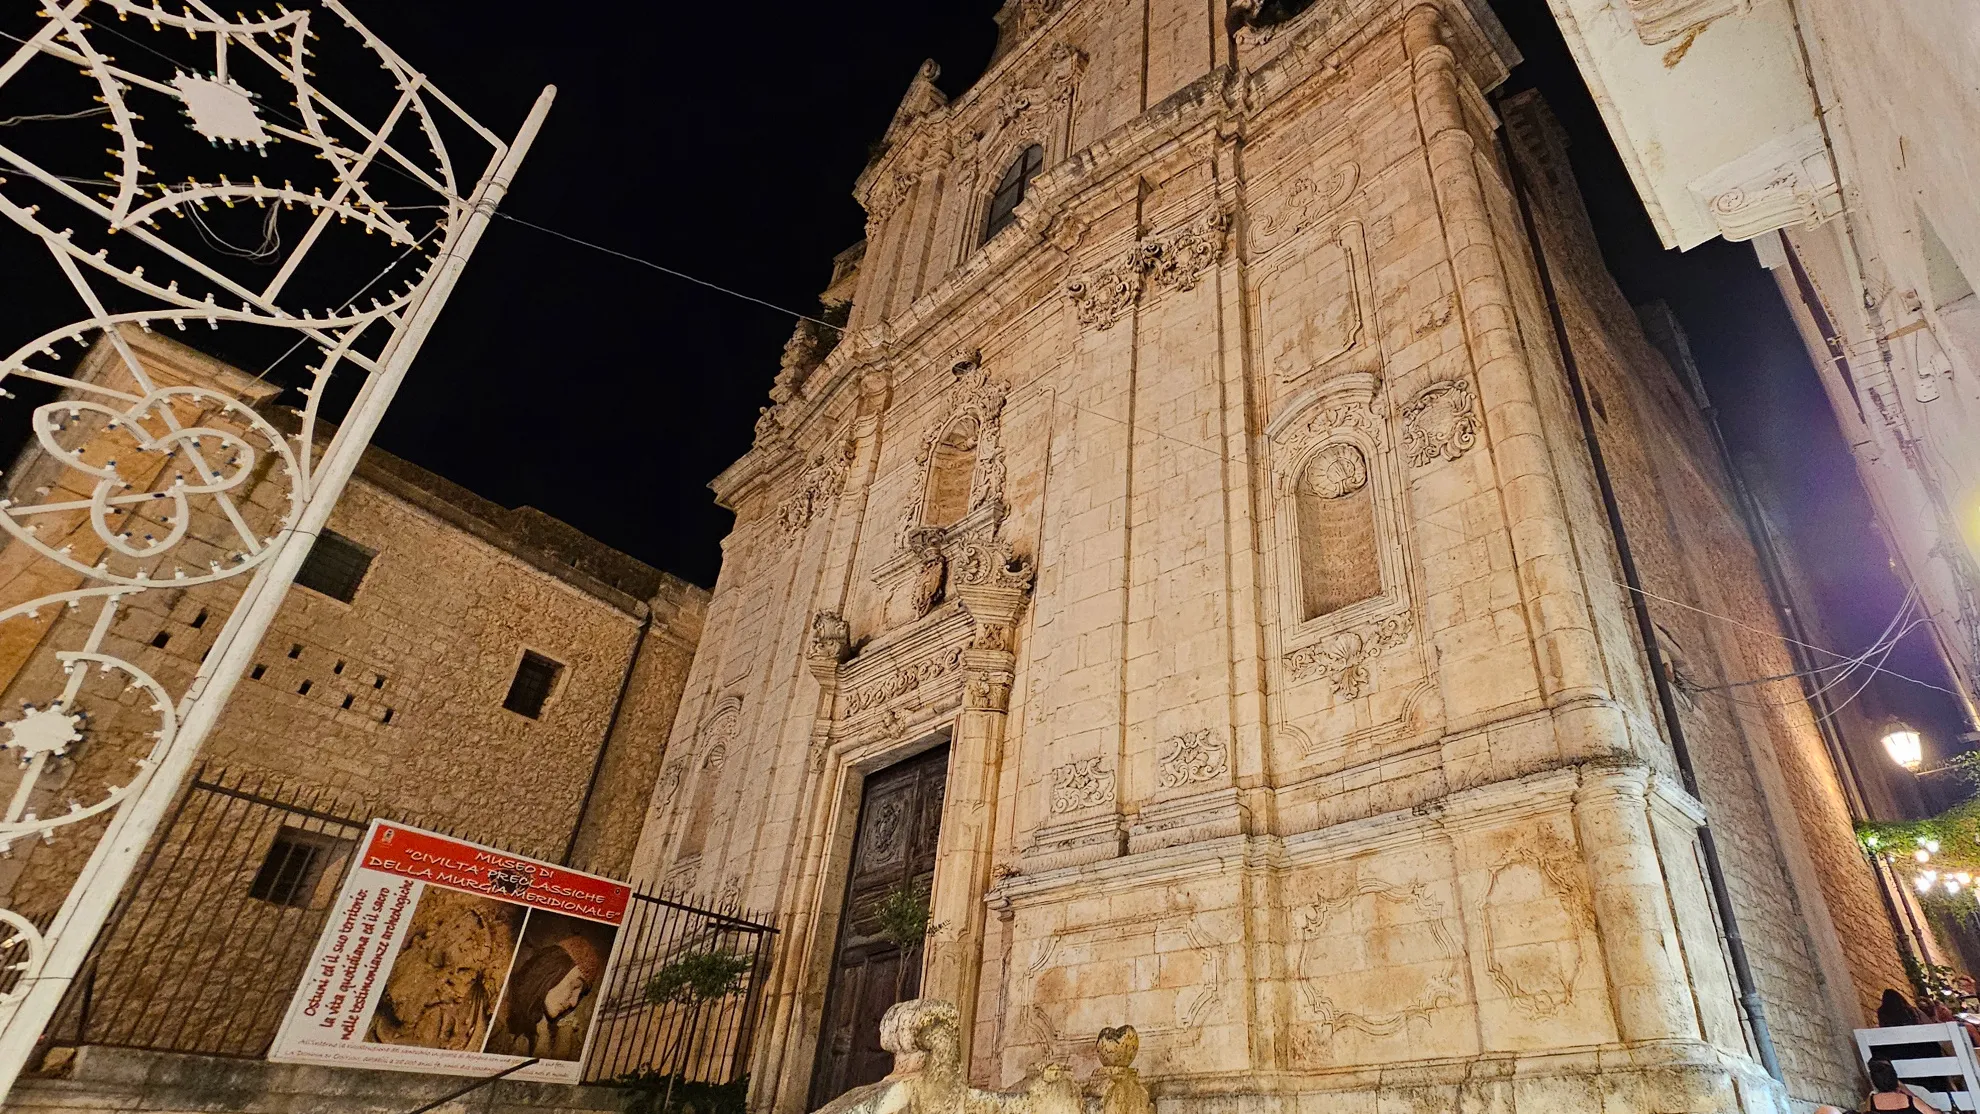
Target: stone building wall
point(391, 704)
point(1089, 503)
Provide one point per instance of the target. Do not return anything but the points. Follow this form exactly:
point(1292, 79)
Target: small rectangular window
point(535, 677)
point(335, 566)
point(293, 866)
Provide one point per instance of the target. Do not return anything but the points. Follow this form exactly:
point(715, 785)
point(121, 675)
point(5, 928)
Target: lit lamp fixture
point(1904, 746)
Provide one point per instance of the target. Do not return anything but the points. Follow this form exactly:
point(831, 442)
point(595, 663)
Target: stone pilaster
point(994, 584)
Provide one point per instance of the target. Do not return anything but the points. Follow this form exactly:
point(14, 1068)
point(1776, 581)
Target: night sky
point(723, 140)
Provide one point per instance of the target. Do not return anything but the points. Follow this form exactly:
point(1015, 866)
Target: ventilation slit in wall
point(347, 699)
point(337, 668)
point(199, 620)
point(303, 690)
point(255, 675)
point(378, 681)
point(295, 651)
point(160, 639)
point(387, 717)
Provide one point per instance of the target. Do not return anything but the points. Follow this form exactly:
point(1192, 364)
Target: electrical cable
point(1776, 634)
point(12, 120)
point(669, 270)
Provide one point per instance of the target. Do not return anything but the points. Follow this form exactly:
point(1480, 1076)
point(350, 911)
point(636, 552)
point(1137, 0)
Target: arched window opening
point(951, 472)
point(1010, 190)
point(1335, 511)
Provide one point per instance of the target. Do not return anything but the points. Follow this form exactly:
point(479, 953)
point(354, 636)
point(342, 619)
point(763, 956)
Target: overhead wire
point(1848, 664)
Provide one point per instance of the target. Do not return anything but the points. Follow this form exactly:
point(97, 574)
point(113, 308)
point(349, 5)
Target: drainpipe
point(1749, 990)
point(605, 744)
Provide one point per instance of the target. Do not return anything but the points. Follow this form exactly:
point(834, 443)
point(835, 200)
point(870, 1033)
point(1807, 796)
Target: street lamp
point(1903, 744)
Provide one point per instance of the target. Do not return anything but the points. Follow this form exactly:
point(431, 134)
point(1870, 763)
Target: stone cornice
point(993, 278)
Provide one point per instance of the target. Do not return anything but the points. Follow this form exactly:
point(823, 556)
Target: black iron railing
point(207, 945)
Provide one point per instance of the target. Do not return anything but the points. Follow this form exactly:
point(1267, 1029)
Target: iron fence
point(209, 941)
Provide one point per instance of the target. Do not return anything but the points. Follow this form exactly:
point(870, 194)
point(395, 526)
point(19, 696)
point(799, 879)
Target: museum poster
point(449, 957)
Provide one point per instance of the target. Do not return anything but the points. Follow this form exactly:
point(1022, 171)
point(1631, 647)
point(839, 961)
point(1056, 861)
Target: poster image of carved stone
point(451, 958)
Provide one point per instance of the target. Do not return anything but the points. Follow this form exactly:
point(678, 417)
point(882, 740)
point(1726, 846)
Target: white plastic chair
point(1958, 1064)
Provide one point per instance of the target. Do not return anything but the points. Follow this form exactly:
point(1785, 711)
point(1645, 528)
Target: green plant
point(697, 977)
point(903, 914)
point(655, 1092)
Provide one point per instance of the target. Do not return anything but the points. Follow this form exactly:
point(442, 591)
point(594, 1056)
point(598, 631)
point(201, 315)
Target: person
point(1887, 1094)
point(1893, 1011)
point(541, 1014)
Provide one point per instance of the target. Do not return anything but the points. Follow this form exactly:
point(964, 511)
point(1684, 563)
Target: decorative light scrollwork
point(149, 476)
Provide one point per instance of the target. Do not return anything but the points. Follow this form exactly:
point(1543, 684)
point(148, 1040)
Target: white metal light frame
point(377, 342)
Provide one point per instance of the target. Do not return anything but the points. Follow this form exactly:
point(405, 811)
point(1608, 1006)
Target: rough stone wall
point(617, 811)
point(1428, 851)
point(1773, 791)
point(392, 702)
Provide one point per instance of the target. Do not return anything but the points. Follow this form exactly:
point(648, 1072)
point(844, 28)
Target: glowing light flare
point(1904, 745)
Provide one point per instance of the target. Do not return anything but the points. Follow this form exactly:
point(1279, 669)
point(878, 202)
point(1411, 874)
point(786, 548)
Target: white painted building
point(1843, 139)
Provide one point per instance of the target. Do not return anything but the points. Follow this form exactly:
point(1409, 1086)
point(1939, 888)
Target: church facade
point(1184, 595)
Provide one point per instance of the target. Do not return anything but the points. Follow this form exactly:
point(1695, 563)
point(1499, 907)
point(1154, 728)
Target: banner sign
point(448, 957)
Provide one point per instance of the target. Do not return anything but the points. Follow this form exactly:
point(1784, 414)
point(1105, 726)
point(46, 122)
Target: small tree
point(904, 921)
point(694, 979)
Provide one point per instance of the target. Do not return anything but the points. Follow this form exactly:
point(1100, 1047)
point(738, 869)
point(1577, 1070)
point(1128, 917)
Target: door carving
point(900, 816)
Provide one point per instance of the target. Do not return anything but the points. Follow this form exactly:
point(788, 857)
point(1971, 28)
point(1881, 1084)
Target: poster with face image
point(448, 957)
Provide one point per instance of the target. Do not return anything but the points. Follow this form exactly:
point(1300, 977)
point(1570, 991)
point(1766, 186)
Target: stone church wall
point(1389, 820)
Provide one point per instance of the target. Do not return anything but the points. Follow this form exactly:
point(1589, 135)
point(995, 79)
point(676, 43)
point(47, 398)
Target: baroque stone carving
point(1176, 261)
point(987, 563)
point(1441, 421)
point(1191, 757)
point(902, 681)
point(1081, 784)
point(976, 401)
point(923, 1034)
point(1103, 297)
point(1783, 182)
point(1344, 658)
point(1179, 260)
point(831, 637)
point(1336, 471)
point(1320, 922)
point(1538, 979)
point(821, 483)
point(1310, 197)
point(720, 730)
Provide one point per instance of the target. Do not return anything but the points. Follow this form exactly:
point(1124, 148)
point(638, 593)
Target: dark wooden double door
point(900, 817)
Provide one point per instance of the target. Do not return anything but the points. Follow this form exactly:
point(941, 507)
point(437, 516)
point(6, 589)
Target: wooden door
point(900, 816)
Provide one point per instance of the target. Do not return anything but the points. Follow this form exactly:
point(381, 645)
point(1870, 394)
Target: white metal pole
point(109, 868)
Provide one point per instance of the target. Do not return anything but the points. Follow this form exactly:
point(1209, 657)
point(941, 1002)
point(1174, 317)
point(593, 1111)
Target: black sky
point(723, 141)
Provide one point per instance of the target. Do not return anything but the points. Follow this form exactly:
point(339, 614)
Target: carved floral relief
point(1191, 757)
point(1085, 783)
point(823, 479)
point(1175, 261)
point(902, 681)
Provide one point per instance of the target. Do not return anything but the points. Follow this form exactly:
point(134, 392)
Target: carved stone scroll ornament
point(1441, 421)
point(1344, 658)
point(902, 681)
point(823, 480)
point(1081, 784)
point(1191, 757)
point(831, 643)
point(1176, 261)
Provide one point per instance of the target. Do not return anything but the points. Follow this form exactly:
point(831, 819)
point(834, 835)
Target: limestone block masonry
point(390, 702)
point(1226, 512)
